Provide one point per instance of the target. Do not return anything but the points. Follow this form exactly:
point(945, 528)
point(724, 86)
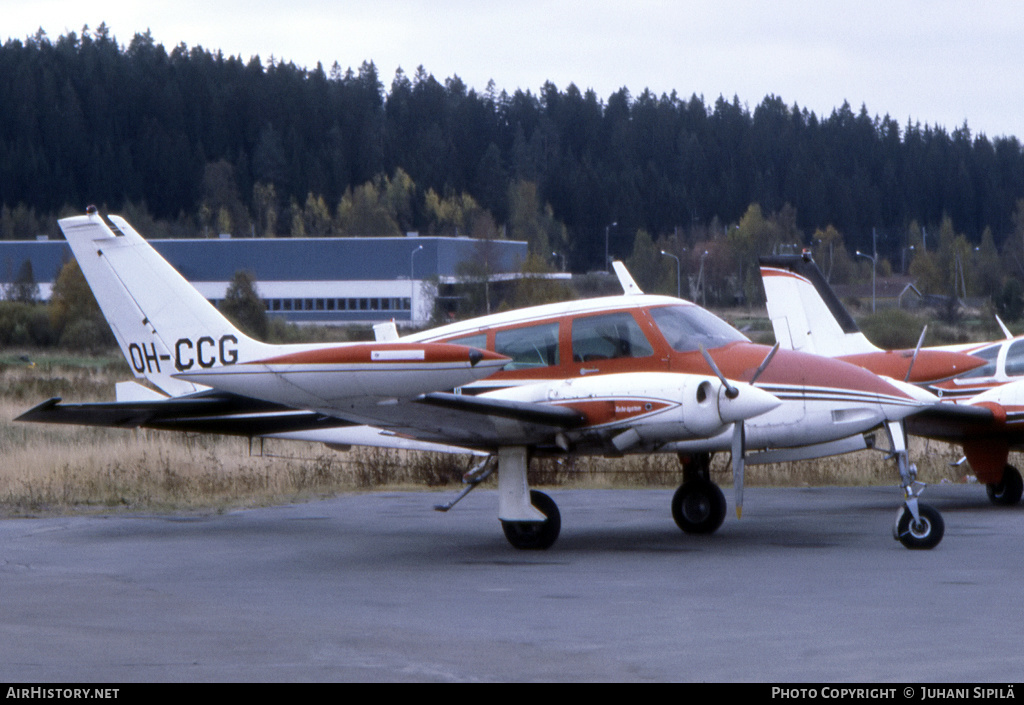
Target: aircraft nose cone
point(750, 402)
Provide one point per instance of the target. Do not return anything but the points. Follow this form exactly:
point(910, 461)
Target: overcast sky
point(936, 62)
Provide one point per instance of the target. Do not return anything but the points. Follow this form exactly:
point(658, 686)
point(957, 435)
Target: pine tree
point(243, 306)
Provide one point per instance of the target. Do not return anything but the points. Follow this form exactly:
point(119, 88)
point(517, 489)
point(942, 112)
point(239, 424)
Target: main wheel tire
point(698, 507)
point(535, 535)
point(924, 534)
point(1007, 492)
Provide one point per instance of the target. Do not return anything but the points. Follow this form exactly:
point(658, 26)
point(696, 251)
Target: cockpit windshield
point(687, 327)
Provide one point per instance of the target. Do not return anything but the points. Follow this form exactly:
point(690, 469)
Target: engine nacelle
point(657, 407)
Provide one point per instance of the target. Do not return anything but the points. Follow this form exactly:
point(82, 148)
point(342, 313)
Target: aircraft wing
point(439, 422)
point(465, 421)
point(953, 423)
point(228, 414)
point(996, 415)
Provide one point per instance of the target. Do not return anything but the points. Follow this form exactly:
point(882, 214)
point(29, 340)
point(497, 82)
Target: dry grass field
point(47, 469)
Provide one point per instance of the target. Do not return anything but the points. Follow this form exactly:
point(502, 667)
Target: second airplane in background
point(981, 384)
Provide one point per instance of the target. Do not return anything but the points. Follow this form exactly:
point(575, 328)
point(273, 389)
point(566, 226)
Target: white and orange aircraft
point(982, 384)
point(608, 376)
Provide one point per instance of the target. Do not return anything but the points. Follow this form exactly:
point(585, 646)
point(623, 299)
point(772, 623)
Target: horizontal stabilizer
point(205, 412)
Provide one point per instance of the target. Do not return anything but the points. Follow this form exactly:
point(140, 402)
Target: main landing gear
point(1007, 492)
point(529, 518)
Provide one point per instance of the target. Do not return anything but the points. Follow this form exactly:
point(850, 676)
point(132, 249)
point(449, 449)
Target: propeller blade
point(738, 464)
point(764, 365)
point(1006, 331)
point(730, 391)
point(920, 341)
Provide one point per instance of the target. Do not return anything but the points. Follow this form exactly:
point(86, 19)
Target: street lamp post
point(874, 265)
point(607, 262)
point(412, 286)
point(874, 262)
point(700, 281)
point(678, 278)
point(905, 251)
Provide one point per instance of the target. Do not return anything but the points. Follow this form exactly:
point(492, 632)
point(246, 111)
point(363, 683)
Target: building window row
point(355, 304)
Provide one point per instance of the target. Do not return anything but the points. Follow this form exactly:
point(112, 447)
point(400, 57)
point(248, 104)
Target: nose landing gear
point(698, 506)
point(918, 526)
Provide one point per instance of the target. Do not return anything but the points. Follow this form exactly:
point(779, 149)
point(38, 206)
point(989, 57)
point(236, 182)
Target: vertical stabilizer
point(805, 312)
point(162, 324)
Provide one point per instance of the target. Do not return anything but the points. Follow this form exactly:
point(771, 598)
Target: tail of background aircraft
point(162, 324)
point(805, 312)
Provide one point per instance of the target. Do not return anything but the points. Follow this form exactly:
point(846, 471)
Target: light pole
point(874, 261)
point(700, 281)
point(874, 264)
point(678, 279)
point(905, 251)
point(607, 263)
point(412, 286)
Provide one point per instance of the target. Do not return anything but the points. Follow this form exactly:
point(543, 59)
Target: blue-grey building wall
point(283, 260)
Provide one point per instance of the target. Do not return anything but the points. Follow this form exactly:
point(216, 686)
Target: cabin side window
point(1015, 359)
point(608, 337)
point(530, 346)
point(471, 341)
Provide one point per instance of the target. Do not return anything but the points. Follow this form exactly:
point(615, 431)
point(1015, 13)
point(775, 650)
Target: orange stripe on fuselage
point(784, 273)
point(364, 353)
point(603, 411)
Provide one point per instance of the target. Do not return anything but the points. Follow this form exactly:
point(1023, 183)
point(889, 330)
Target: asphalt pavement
point(808, 587)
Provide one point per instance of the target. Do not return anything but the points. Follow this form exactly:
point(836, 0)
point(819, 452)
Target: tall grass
point(55, 468)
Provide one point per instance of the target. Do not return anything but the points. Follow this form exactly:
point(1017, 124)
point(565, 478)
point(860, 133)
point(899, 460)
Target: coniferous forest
point(189, 142)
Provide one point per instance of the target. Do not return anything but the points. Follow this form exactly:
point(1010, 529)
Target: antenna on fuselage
point(629, 287)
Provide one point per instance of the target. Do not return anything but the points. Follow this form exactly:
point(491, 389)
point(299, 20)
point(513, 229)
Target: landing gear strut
point(530, 519)
point(698, 506)
point(918, 526)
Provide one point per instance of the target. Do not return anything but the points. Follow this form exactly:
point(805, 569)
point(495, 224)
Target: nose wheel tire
point(535, 535)
point(924, 534)
point(698, 507)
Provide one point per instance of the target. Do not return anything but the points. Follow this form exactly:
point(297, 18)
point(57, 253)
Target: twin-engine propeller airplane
point(608, 376)
point(982, 384)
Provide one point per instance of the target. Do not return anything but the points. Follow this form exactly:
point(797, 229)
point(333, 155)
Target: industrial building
point(309, 280)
